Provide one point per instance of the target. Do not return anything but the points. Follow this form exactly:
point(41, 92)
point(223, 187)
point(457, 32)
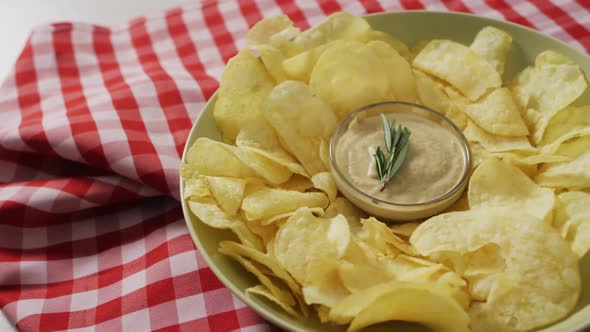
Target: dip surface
point(433, 166)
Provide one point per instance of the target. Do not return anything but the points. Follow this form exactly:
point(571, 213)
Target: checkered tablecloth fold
point(93, 121)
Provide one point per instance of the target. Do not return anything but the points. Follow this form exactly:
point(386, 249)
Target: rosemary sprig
point(396, 145)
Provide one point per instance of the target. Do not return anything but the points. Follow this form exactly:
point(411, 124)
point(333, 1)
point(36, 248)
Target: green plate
point(409, 27)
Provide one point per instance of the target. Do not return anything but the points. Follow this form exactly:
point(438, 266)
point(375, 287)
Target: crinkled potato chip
point(301, 120)
point(531, 251)
point(498, 114)
point(299, 67)
point(261, 138)
point(214, 158)
point(401, 77)
point(275, 31)
point(379, 236)
point(567, 124)
point(396, 44)
point(195, 187)
point(358, 277)
point(297, 183)
point(493, 45)
point(336, 26)
point(545, 89)
point(269, 202)
point(265, 232)
point(349, 75)
point(573, 174)
point(324, 182)
point(460, 66)
point(352, 213)
point(495, 143)
point(209, 213)
point(272, 59)
point(408, 303)
point(261, 290)
point(281, 218)
point(227, 192)
point(572, 219)
point(430, 94)
point(305, 238)
point(245, 83)
point(498, 184)
point(323, 285)
point(266, 168)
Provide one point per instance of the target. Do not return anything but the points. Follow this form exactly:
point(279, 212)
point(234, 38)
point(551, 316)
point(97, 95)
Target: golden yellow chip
point(323, 285)
point(573, 174)
point(280, 219)
point(297, 183)
point(276, 31)
point(349, 75)
point(195, 186)
point(272, 59)
point(396, 44)
point(324, 182)
point(245, 83)
point(209, 157)
point(493, 45)
point(531, 251)
point(543, 90)
point(498, 114)
point(401, 77)
point(269, 202)
point(567, 124)
point(266, 293)
point(461, 67)
point(498, 184)
point(301, 120)
point(227, 192)
point(404, 229)
point(352, 213)
point(495, 143)
point(572, 219)
point(377, 235)
point(337, 26)
point(209, 213)
point(358, 277)
point(430, 94)
point(266, 168)
point(299, 67)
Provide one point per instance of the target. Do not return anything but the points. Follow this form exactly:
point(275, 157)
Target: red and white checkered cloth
point(93, 121)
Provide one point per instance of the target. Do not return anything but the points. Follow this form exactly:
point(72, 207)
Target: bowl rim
point(271, 316)
point(460, 185)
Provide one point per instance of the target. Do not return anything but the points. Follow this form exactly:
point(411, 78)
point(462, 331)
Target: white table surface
point(17, 17)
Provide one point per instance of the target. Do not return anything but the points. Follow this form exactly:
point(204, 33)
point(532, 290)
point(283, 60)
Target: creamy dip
point(435, 162)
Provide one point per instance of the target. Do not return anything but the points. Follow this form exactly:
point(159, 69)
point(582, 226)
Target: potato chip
point(214, 158)
point(260, 137)
point(305, 238)
point(272, 59)
point(407, 304)
point(377, 235)
point(352, 213)
point(494, 143)
point(498, 114)
point(301, 120)
point(265, 232)
point(281, 218)
point(543, 90)
point(363, 308)
point(572, 219)
point(267, 294)
point(461, 67)
point(271, 171)
point(227, 192)
point(358, 277)
point(245, 83)
point(209, 213)
point(530, 250)
point(275, 31)
point(337, 26)
point(493, 45)
point(401, 77)
point(195, 187)
point(324, 182)
point(297, 183)
point(417, 48)
point(299, 67)
point(269, 202)
point(396, 44)
point(281, 294)
point(430, 94)
point(323, 285)
point(404, 229)
point(496, 184)
point(567, 124)
point(573, 174)
point(349, 75)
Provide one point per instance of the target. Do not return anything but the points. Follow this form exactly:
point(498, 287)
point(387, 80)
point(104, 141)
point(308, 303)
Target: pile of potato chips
point(503, 258)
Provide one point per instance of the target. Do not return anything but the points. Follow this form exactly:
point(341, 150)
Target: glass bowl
point(389, 210)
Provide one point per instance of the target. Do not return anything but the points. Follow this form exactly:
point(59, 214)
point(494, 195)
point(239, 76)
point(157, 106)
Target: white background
point(17, 17)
